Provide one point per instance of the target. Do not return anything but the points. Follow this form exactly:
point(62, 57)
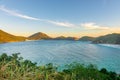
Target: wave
point(111, 45)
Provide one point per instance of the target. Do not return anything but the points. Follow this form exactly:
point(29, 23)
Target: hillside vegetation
point(38, 36)
point(108, 39)
point(15, 68)
point(6, 37)
point(87, 38)
point(65, 38)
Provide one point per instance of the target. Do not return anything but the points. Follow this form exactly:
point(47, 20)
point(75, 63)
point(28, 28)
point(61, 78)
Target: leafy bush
point(15, 68)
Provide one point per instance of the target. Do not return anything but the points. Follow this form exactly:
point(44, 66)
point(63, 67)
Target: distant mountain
point(72, 38)
point(87, 38)
point(65, 38)
point(6, 37)
point(38, 36)
point(110, 39)
point(60, 38)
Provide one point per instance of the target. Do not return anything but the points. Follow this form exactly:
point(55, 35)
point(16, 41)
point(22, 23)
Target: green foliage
point(110, 38)
point(15, 68)
point(103, 70)
point(87, 38)
point(65, 38)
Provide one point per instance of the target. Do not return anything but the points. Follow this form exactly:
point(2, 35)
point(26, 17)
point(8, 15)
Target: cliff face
point(6, 37)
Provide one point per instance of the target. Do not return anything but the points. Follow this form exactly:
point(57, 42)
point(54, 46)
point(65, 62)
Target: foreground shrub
point(15, 68)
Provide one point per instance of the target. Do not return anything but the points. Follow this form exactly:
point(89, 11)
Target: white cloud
point(89, 25)
point(14, 13)
point(93, 26)
point(65, 24)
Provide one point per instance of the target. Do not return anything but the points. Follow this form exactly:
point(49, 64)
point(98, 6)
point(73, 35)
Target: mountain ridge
point(38, 36)
point(113, 38)
point(6, 37)
point(87, 38)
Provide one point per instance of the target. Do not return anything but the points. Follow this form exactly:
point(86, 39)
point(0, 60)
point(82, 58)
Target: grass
point(15, 68)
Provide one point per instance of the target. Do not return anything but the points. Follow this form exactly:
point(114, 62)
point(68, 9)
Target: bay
point(61, 52)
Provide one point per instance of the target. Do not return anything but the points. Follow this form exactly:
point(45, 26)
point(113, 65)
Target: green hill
point(86, 38)
point(65, 38)
point(110, 39)
point(38, 36)
point(60, 38)
point(6, 37)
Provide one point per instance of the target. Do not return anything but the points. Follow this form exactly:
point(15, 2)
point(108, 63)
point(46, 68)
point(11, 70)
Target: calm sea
point(62, 52)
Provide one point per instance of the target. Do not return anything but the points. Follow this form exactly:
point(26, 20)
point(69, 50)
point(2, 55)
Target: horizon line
point(59, 35)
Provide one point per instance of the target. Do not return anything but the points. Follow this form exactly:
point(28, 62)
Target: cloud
point(16, 14)
point(65, 24)
point(89, 25)
point(93, 26)
point(13, 13)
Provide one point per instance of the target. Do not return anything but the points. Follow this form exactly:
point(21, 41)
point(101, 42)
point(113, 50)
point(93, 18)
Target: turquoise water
point(62, 52)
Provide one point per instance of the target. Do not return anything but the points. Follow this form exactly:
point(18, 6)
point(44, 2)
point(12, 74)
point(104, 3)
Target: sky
point(60, 17)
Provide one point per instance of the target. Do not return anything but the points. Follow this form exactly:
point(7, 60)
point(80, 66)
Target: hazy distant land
point(107, 39)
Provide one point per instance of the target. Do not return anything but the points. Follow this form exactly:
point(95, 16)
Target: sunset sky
point(60, 17)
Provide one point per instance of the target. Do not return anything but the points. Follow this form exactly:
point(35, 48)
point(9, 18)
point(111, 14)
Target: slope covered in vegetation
point(39, 36)
point(87, 38)
point(109, 39)
point(65, 38)
point(6, 37)
point(15, 68)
